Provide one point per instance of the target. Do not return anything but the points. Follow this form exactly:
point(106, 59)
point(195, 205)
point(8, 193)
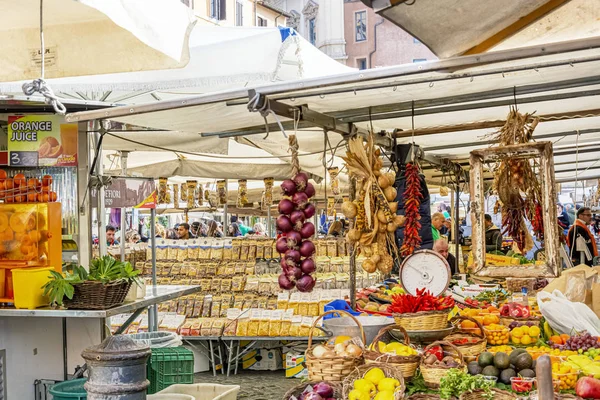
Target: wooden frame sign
point(542, 151)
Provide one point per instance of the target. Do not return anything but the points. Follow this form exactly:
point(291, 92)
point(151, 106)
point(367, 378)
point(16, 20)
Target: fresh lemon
point(517, 332)
point(381, 346)
point(358, 395)
point(534, 331)
point(526, 339)
point(385, 395)
point(365, 386)
point(394, 347)
point(374, 375)
point(342, 339)
point(388, 384)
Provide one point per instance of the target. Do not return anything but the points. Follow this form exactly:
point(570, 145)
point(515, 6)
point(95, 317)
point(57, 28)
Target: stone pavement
point(255, 385)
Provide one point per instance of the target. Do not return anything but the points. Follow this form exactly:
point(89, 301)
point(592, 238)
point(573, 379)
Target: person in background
point(233, 230)
point(110, 236)
point(563, 218)
point(240, 224)
point(133, 237)
point(194, 228)
point(441, 247)
point(160, 231)
point(335, 229)
point(580, 229)
point(183, 232)
point(571, 211)
point(437, 221)
point(259, 229)
point(214, 230)
point(493, 236)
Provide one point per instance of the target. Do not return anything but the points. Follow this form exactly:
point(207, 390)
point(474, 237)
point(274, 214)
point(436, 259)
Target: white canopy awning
point(86, 37)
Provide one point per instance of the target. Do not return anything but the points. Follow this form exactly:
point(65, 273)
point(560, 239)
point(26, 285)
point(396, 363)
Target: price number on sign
point(23, 158)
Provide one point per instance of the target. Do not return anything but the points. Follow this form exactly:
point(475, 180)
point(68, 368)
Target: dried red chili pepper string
point(412, 201)
point(423, 301)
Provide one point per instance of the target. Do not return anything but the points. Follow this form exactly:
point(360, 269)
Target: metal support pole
point(457, 227)
point(101, 211)
point(124, 156)
point(351, 196)
point(153, 310)
point(65, 351)
point(84, 208)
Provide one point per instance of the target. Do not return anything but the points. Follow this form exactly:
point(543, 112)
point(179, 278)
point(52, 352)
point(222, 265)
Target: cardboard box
point(294, 365)
point(268, 360)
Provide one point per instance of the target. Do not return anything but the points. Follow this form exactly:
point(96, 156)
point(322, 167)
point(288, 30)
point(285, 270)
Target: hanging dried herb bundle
point(374, 210)
point(516, 182)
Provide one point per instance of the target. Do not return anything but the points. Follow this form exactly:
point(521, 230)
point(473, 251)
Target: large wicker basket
point(297, 390)
point(477, 394)
point(423, 320)
point(92, 295)
point(424, 396)
point(333, 369)
point(389, 371)
point(471, 350)
point(433, 374)
point(407, 364)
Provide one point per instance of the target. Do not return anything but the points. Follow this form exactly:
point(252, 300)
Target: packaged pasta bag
point(225, 304)
point(252, 244)
point(204, 248)
point(217, 327)
point(260, 249)
point(237, 283)
point(265, 320)
point(313, 304)
point(296, 325)
point(342, 281)
point(182, 251)
point(217, 249)
point(264, 284)
point(243, 324)
point(262, 302)
point(231, 322)
point(192, 268)
point(226, 285)
point(205, 284)
point(215, 285)
point(172, 250)
point(228, 249)
point(221, 269)
point(250, 269)
point(253, 325)
point(162, 191)
point(346, 265)
point(286, 323)
point(162, 249)
point(252, 282)
point(238, 301)
point(272, 303)
point(319, 324)
point(268, 249)
point(305, 326)
point(206, 306)
point(239, 268)
point(337, 265)
point(341, 245)
point(198, 301)
point(196, 326)
point(181, 304)
point(275, 323)
point(282, 300)
point(175, 270)
point(236, 248)
point(215, 309)
point(206, 326)
point(303, 304)
point(189, 306)
point(244, 249)
point(194, 249)
point(325, 297)
point(186, 328)
point(229, 269)
point(294, 302)
point(321, 248)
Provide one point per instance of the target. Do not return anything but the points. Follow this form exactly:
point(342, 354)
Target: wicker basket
point(506, 321)
point(423, 320)
point(424, 396)
point(388, 370)
point(297, 390)
point(433, 374)
point(469, 351)
point(333, 369)
point(407, 364)
point(498, 395)
point(92, 295)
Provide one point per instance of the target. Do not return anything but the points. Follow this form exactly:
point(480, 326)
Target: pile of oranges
point(20, 189)
point(485, 317)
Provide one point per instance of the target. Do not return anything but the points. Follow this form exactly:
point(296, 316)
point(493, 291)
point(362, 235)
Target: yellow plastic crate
point(27, 284)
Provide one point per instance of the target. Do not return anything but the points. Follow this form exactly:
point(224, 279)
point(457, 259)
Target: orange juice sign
point(41, 140)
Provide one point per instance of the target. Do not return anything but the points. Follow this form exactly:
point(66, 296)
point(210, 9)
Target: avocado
point(485, 359)
point(506, 375)
point(490, 370)
point(474, 368)
point(523, 361)
point(527, 373)
point(533, 365)
point(501, 360)
point(514, 354)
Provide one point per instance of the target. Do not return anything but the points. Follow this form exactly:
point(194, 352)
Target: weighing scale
point(425, 269)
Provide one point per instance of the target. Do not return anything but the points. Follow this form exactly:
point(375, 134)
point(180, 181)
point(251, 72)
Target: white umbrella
point(88, 37)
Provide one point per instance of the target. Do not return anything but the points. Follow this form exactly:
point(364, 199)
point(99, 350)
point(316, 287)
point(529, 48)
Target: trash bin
point(205, 391)
point(69, 390)
point(157, 340)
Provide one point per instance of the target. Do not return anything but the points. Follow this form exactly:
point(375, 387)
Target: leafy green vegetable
point(417, 385)
point(456, 382)
point(105, 269)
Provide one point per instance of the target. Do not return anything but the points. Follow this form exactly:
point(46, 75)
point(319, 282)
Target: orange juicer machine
point(30, 236)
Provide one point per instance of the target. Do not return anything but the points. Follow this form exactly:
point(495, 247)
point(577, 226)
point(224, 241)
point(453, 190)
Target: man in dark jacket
point(493, 236)
point(580, 229)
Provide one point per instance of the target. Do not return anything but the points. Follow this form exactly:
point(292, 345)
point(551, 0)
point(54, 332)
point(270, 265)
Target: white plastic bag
point(158, 339)
point(564, 315)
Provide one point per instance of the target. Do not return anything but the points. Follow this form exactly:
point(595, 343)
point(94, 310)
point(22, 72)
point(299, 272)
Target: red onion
point(286, 207)
point(310, 190)
point(301, 179)
point(294, 239)
point(285, 283)
point(308, 266)
point(288, 187)
point(300, 199)
point(323, 389)
point(307, 248)
point(307, 230)
point(287, 263)
point(284, 224)
point(282, 245)
point(293, 272)
point(293, 255)
point(297, 216)
point(306, 283)
point(309, 210)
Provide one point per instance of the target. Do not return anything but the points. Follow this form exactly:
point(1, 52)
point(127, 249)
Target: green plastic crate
point(69, 390)
point(168, 366)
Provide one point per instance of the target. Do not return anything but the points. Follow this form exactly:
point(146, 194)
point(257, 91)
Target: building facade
point(238, 13)
point(372, 41)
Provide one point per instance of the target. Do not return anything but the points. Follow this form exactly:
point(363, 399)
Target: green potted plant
point(104, 286)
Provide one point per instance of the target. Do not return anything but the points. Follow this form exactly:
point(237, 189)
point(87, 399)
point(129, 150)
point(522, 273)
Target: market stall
point(414, 106)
